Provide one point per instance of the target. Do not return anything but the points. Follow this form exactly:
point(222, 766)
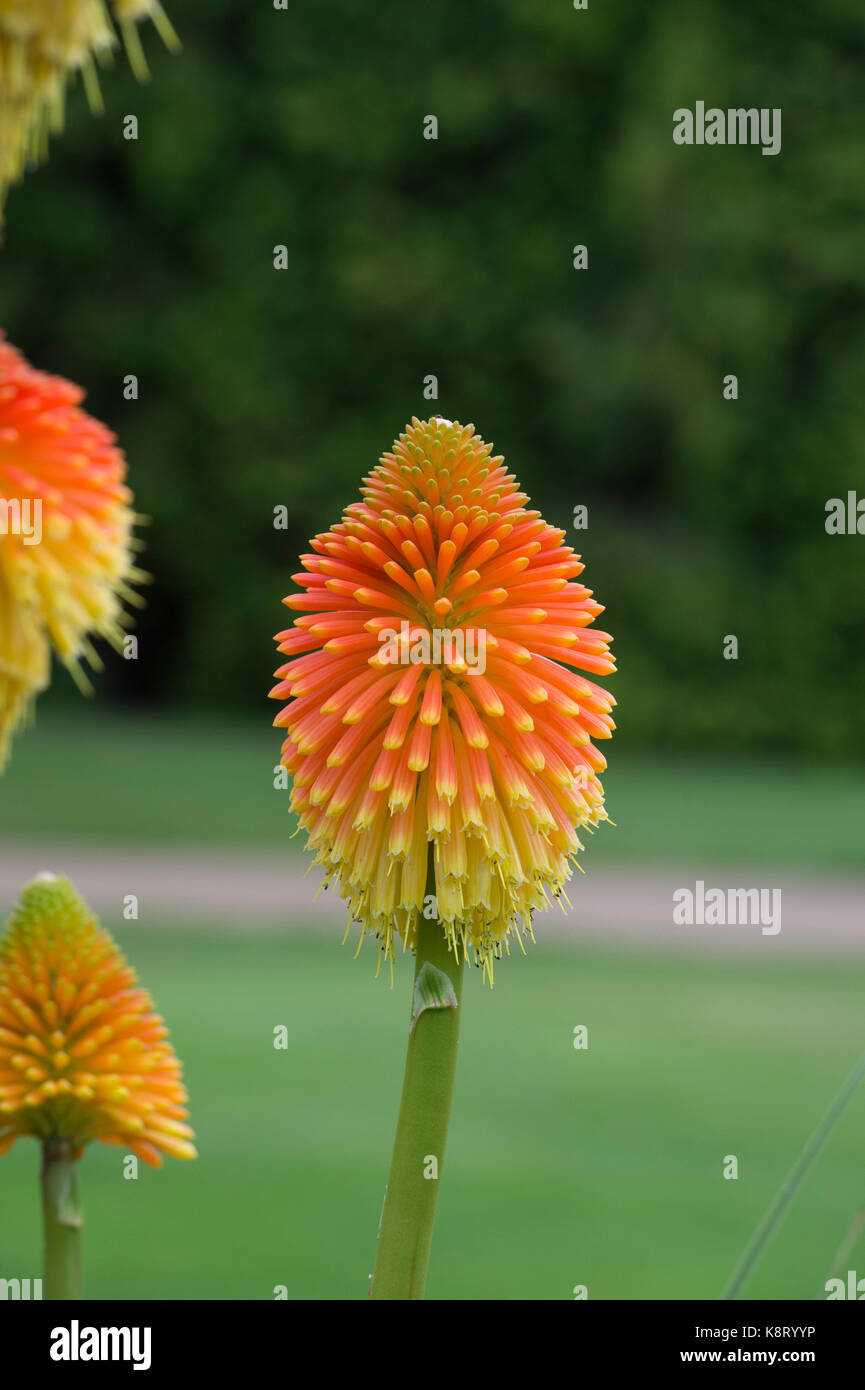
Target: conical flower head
point(83, 1055)
point(43, 43)
point(432, 700)
point(65, 535)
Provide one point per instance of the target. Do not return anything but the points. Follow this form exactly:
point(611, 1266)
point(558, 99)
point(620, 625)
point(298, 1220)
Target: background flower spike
point(83, 1056)
point(66, 543)
point(44, 43)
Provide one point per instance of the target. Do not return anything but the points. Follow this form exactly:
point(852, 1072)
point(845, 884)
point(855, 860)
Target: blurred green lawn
point(85, 772)
point(600, 1167)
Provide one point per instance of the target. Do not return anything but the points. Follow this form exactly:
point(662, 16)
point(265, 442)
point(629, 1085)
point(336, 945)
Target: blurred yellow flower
point(83, 1055)
point(42, 44)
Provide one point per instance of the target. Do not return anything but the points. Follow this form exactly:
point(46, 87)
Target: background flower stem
point(407, 1218)
point(62, 1222)
point(784, 1196)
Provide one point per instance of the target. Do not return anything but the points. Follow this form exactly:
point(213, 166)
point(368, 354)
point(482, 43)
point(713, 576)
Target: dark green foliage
point(407, 257)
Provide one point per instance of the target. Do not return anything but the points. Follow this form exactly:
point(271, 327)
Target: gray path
point(231, 888)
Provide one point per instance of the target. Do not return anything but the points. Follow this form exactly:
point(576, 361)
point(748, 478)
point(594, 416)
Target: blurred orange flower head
point(65, 535)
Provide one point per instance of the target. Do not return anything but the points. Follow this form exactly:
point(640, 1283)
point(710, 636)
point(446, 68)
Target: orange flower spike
point(65, 536)
point(83, 1055)
point(438, 628)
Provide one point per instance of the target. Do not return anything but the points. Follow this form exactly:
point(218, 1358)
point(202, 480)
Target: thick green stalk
point(406, 1226)
point(62, 1222)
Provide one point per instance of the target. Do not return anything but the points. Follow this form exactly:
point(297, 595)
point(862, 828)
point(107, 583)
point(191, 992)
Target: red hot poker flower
point(65, 535)
point(83, 1055)
point(440, 693)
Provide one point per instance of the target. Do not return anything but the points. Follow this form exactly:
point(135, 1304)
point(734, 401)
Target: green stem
point(784, 1197)
point(62, 1222)
point(406, 1226)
